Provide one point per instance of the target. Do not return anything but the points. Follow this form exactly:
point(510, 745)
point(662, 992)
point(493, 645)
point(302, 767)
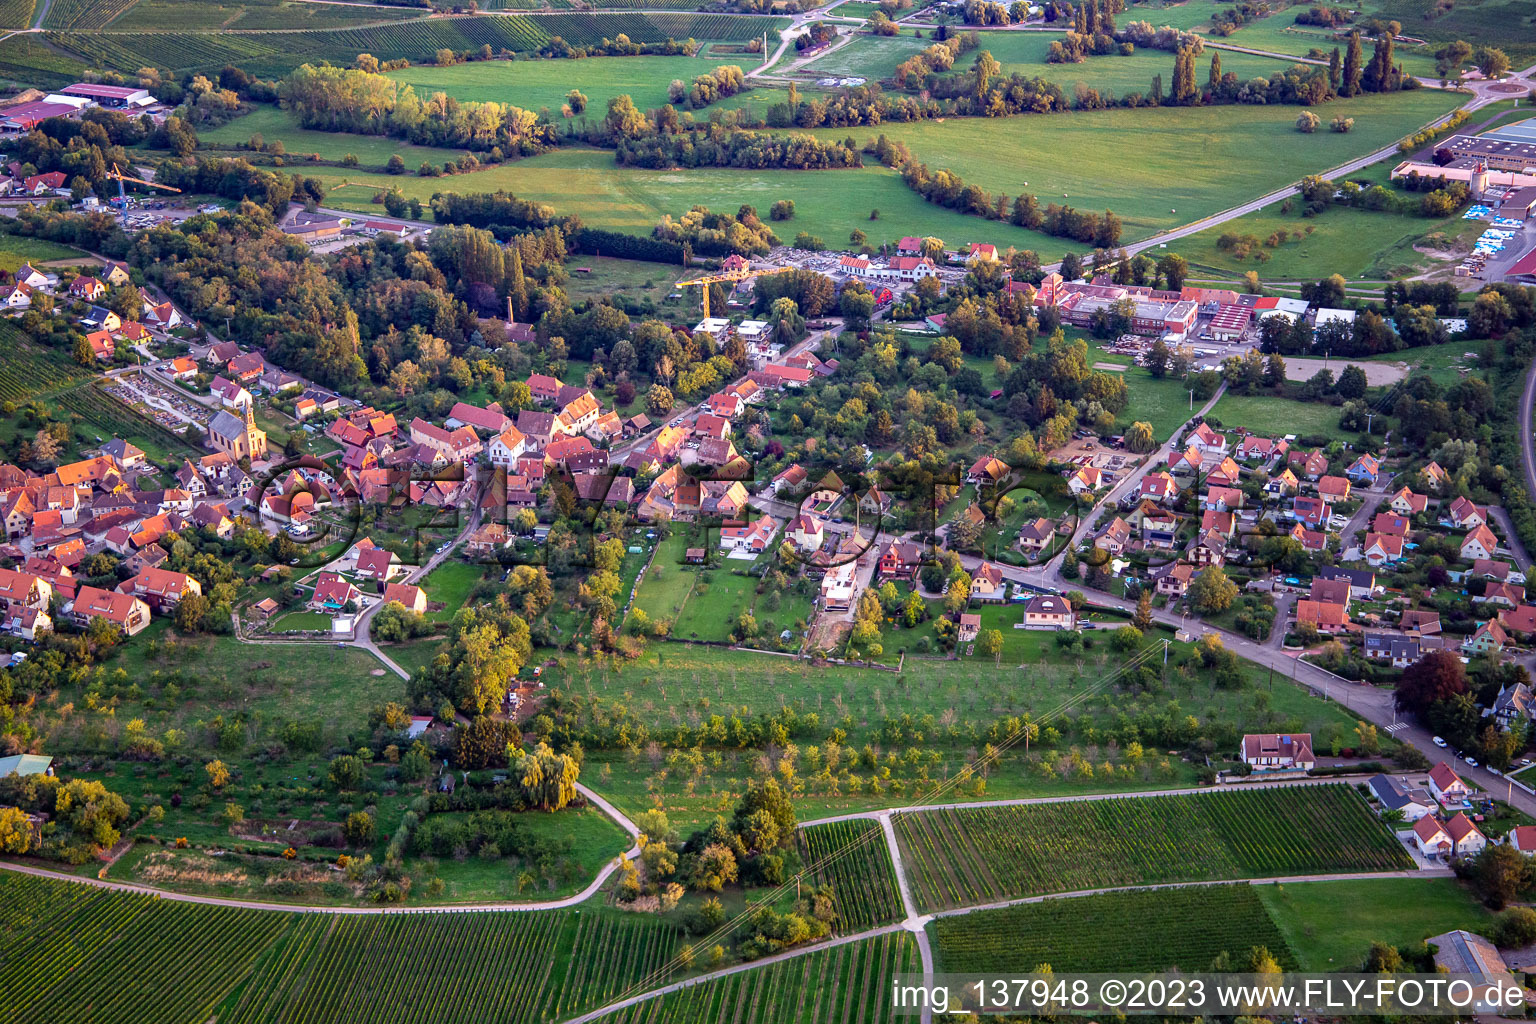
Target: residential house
point(413, 597)
point(1330, 591)
point(1184, 463)
point(1222, 499)
point(1282, 485)
point(576, 454)
point(1522, 838)
point(1435, 475)
point(333, 593)
point(1466, 839)
point(1489, 638)
point(1364, 470)
point(1390, 523)
point(1048, 611)
point(161, 589)
point(1159, 527)
point(1504, 595)
point(1086, 480)
point(1464, 515)
point(1036, 535)
point(1362, 582)
point(87, 288)
point(490, 420)
point(1397, 795)
point(1208, 548)
point(1208, 441)
point(1311, 541)
point(1333, 489)
point(1479, 543)
point(901, 558)
point(1431, 838)
point(987, 583)
point(1380, 549)
point(1513, 704)
point(752, 538)
point(988, 469)
point(1173, 581)
point(25, 589)
point(1116, 537)
point(1406, 503)
point(1447, 786)
point(1311, 465)
point(1324, 616)
point(1279, 751)
point(1158, 487)
point(1223, 523)
point(163, 316)
point(1423, 622)
point(1397, 649)
point(840, 587)
point(1314, 512)
point(128, 613)
point(970, 625)
point(506, 448)
point(1264, 450)
point(1521, 620)
point(1226, 473)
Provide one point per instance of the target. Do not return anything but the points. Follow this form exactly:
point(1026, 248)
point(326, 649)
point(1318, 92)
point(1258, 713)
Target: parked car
point(1437, 741)
point(1471, 762)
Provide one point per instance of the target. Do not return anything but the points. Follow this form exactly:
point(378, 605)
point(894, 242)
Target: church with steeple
point(237, 436)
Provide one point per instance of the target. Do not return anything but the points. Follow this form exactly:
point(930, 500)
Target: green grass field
point(1269, 413)
point(1082, 160)
point(585, 182)
point(867, 56)
point(1343, 240)
point(274, 124)
point(450, 584)
point(535, 84)
point(1331, 925)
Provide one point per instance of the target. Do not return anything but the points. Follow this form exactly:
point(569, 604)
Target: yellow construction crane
point(122, 198)
point(730, 277)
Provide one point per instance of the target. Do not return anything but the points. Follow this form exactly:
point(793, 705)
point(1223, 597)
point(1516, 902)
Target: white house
point(1446, 785)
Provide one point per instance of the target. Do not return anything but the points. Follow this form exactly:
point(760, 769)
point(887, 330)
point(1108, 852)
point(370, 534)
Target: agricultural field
point(1246, 151)
point(847, 984)
point(673, 684)
point(1357, 243)
point(83, 14)
point(856, 861)
point(600, 955)
point(18, 249)
point(1146, 930)
point(273, 52)
point(1025, 53)
point(70, 962)
point(536, 84)
point(246, 15)
point(26, 61)
point(965, 857)
point(16, 13)
point(1330, 925)
point(30, 372)
point(587, 183)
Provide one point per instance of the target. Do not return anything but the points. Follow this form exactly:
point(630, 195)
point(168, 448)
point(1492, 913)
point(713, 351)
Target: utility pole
point(1191, 399)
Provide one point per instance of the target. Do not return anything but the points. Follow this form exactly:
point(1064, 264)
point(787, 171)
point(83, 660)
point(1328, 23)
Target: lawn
point(602, 277)
point(1162, 402)
point(586, 182)
point(1341, 240)
point(1272, 414)
point(274, 124)
point(1326, 936)
point(668, 582)
point(718, 600)
point(538, 84)
point(1081, 159)
point(450, 584)
point(300, 620)
point(872, 57)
